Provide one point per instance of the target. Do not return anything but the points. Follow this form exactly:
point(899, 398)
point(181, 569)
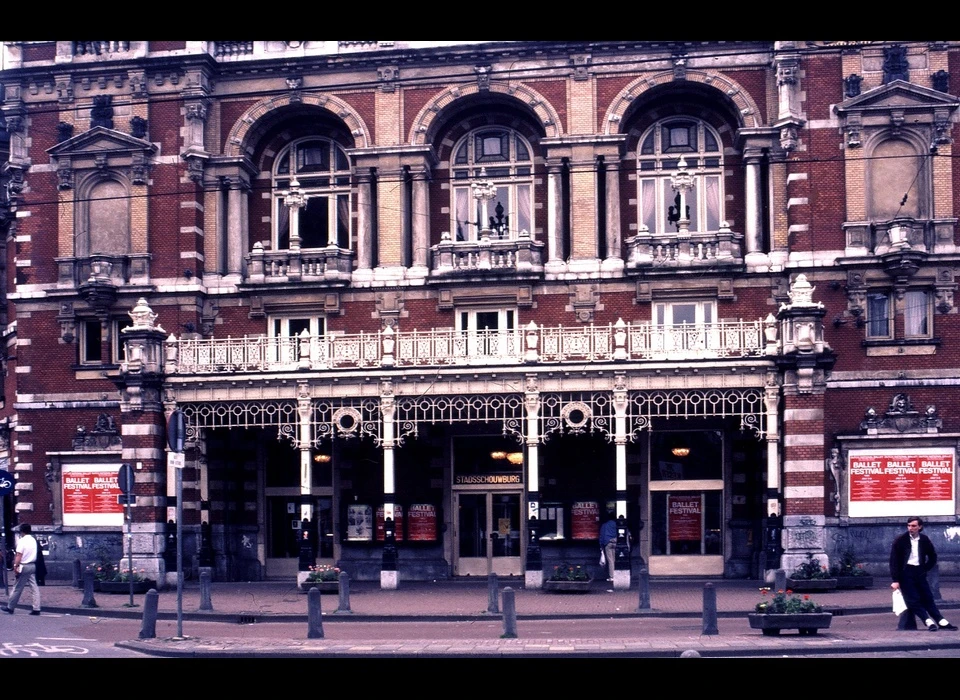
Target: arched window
point(661, 148)
point(320, 170)
point(504, 158)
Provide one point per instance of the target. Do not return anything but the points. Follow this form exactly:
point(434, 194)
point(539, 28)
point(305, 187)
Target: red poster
point(684, 517)
point(902, 477)
point(585, 520)
point(422, 523)
point(397, 521)
point(86, 493)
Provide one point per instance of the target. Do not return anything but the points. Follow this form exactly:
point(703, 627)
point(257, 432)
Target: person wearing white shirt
point(25, 567)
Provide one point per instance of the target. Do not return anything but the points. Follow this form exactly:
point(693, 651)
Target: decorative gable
point(102, 149)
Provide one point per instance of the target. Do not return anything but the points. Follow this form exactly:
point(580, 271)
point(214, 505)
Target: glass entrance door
point(488, 534)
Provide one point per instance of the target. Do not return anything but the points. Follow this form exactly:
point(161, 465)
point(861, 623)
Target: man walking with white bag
point(911, 557)
point(25, 567)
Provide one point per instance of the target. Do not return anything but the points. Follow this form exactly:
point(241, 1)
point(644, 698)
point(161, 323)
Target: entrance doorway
point(488, 534)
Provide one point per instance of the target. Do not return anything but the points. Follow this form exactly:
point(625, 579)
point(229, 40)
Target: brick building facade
point(432, 309)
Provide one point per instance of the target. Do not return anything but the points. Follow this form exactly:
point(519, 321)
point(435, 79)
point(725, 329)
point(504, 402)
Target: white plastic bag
point(603, 558)
point(899, 604)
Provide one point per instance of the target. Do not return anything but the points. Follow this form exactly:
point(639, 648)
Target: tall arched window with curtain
point(503, 157)
point(320, 169)
point(658, 157)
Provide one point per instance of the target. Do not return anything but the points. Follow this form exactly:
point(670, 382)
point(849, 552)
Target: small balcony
point(648, 251)
point(332, 265)
point(488, 257)
point(105, 270)
point(878, 238)
point(533, 344)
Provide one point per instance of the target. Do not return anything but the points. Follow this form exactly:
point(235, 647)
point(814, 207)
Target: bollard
point(710, 609)
point(779, 580)
point(205, 603)
point(644, 586)
point(690, 654)
point(509, 615)
point(493, 594)
point(88, 600)
point(77, 573)
point(933, 579)
point(344, 604)
point(148, 628)
point(314, 621)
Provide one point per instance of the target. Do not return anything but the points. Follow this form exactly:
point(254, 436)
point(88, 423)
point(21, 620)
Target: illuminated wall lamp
point(498, 454)
point(515, 458)
point(680, 451)
point(321, 458)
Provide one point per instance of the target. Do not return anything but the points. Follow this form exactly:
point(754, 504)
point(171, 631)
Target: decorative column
point(533, 572)
point(420, 237)
point(682, 183)
point(483, 191)
point(804, 361)
point(308, 555)
point(554, 211)
point(236, 225)
point(621, 573)
point(389, 576)
point(753, 225)
point(614, 254)
point(364, 221)
point(140, 382)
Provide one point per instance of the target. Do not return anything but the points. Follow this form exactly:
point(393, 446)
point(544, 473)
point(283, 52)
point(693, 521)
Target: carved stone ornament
point(901, 417)
point(851, 85)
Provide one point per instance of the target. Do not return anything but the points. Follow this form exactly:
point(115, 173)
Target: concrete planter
point(848, 582)
point(770, 624)
point(811, 584)
point(567, 586)
point(124, 586)
point(322, 586)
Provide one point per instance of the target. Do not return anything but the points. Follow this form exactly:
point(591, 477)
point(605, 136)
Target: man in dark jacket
point(911, 557)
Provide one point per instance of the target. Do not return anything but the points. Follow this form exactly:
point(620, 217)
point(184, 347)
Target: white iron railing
point(436, 348)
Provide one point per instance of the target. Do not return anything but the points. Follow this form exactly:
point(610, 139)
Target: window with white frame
point(285, 334)
point(488, 332)
point(320, 170)
point(504, 158)
point(685, 325)
point(917, 310)
point(101, 343)
point(658, 157)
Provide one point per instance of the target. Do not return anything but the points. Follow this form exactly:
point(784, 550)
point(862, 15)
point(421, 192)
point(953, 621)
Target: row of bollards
point(315, 613)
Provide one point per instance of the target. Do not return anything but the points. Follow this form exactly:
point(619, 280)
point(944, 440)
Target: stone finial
point(801, 292)
point(143, 316)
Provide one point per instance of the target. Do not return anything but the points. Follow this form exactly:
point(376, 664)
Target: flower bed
point(786, 610)
point(567, 578)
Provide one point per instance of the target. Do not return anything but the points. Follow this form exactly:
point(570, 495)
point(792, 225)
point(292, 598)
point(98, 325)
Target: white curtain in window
point(915, 315)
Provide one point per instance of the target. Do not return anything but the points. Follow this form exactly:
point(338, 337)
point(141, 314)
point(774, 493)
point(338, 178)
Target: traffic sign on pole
point(126, 479)
point(127, 499)
point(176, 430)
point(177, 460)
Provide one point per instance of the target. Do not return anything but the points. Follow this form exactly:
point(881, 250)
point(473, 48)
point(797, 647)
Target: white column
point(364, 223)
point(305, 436)
point(614, 239)
point(771, 400)
point(753, 225)
point(388, 579)
point(236, 226)
point(420, 218)
point(554, 211)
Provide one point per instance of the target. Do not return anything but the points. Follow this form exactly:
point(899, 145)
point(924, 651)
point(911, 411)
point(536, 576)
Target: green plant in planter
point(568, 572)
point(322, 572)
point(124, 576)
point(103, 569)
point(810, 570)
point(848, 566)
point(785, 603)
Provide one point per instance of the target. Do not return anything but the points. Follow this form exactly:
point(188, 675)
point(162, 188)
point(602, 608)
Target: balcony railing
point(487, 255)
point(439, 348)
point(646, 249)
point(310, 264)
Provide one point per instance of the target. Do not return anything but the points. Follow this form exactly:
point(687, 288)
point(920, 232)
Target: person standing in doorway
point(911, 557)
point(608, 543)
point(25, 568)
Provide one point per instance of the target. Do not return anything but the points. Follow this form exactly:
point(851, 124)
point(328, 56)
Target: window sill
point(96, 371)
point(898, 348)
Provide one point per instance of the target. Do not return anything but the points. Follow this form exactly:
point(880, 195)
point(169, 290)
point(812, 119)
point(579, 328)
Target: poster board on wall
point(585, 520)
point(90, 493)
point(901, 482)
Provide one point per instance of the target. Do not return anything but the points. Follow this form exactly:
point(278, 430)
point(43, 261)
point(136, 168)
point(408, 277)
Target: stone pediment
point(897, 95)
point(101, 140)
point(102, 149)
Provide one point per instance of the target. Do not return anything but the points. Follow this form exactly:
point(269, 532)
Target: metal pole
point(180, 552)
point(130, 548)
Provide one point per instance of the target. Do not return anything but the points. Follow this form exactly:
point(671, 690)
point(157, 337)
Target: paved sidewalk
point(270, 619)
